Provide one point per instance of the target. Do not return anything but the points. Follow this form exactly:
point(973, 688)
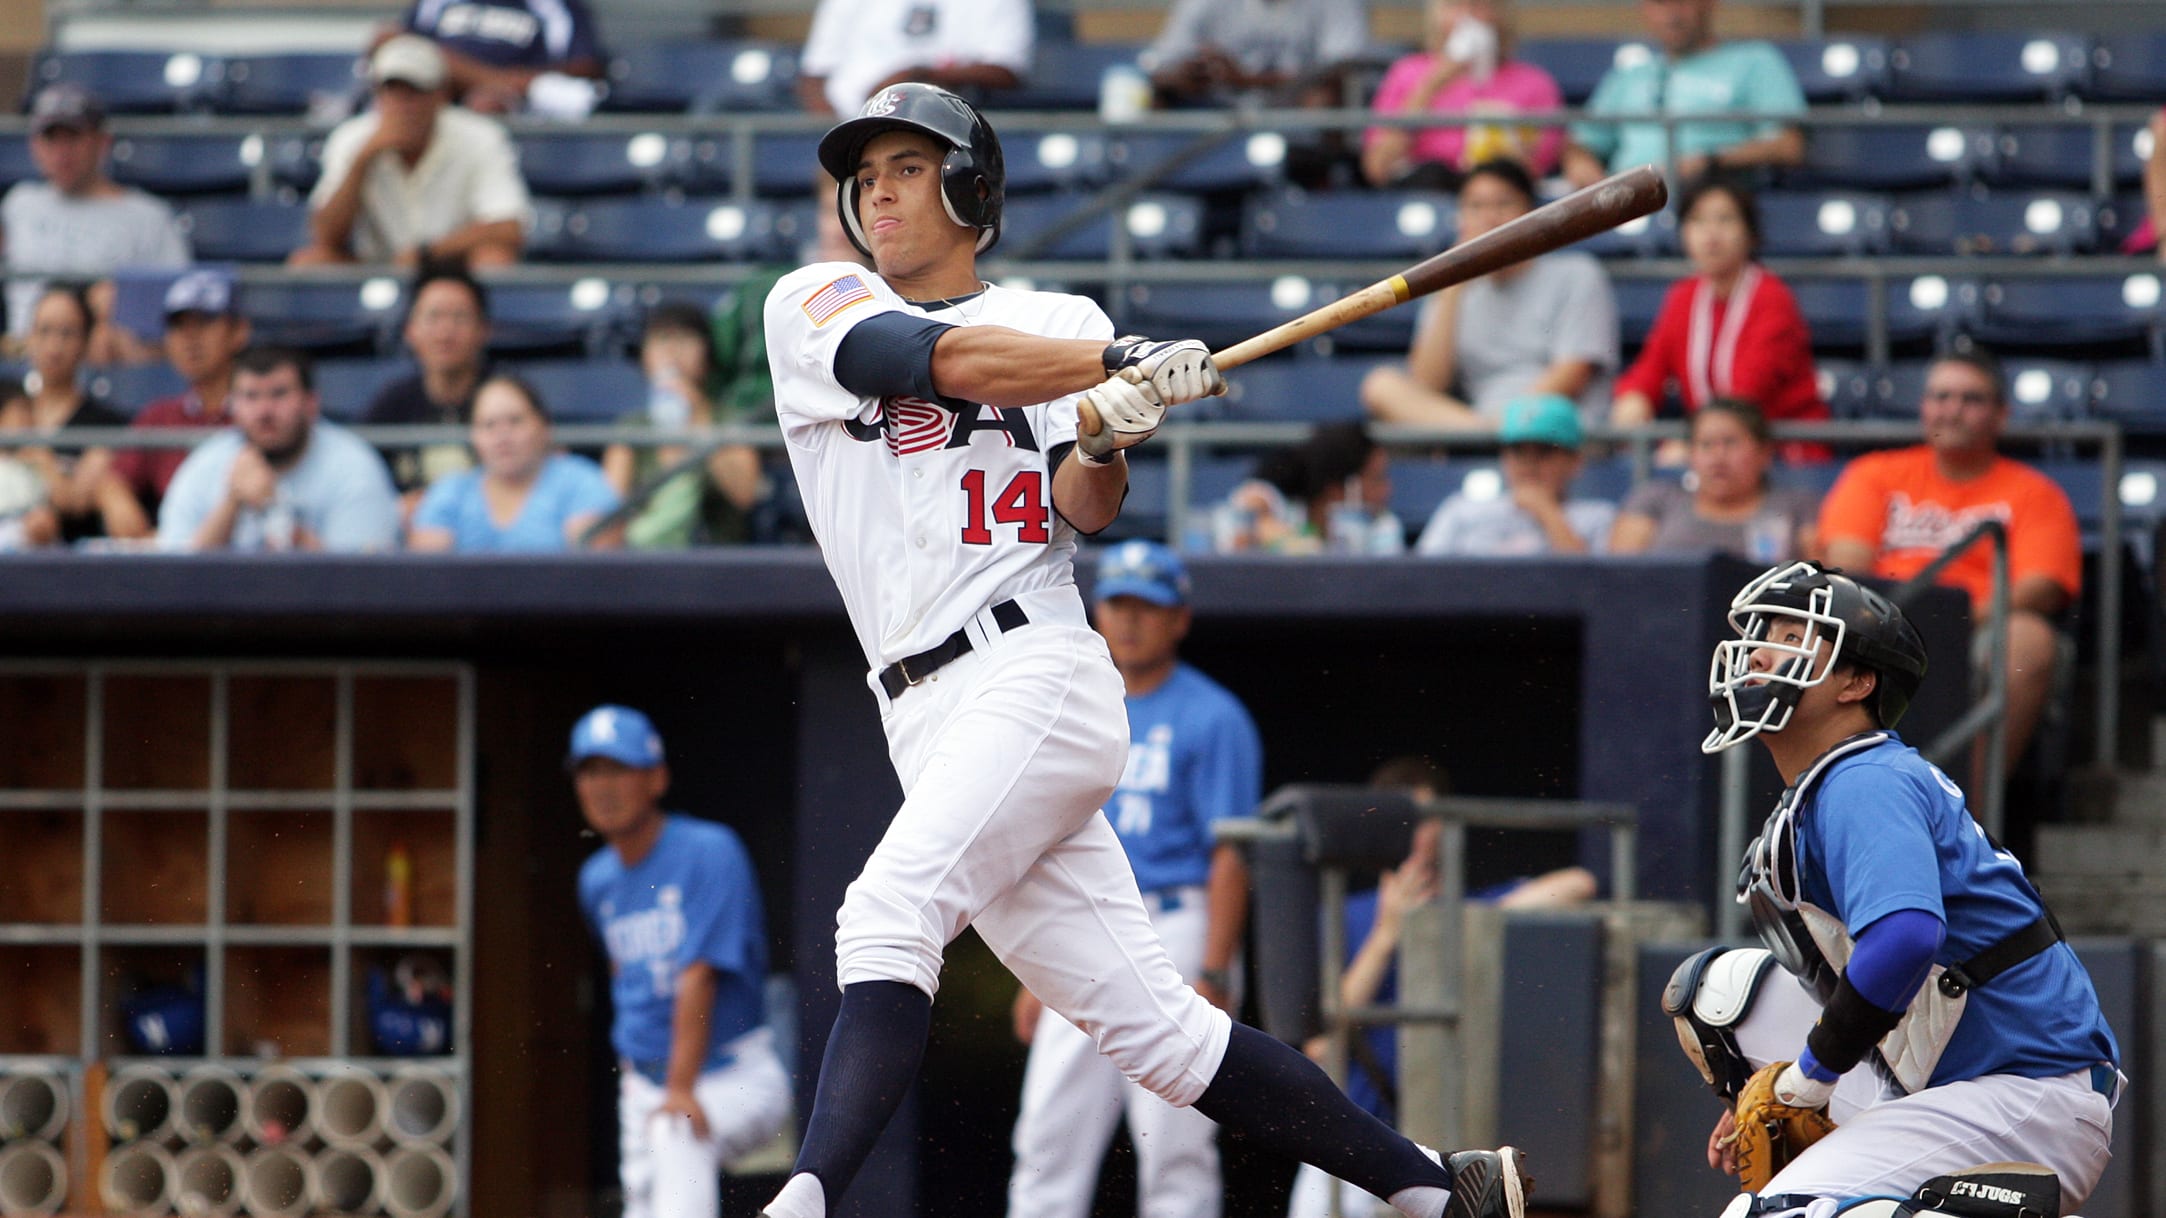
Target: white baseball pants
point(1312, 1197)
point(1073, 1098)
point(666, 1171)
point(1894, 1144)
point(1005, 756)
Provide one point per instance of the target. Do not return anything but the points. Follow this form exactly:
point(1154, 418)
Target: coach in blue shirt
point(1194, 759)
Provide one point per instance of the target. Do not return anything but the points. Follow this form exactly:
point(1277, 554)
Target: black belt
point(2002, 956)
point(910, 670)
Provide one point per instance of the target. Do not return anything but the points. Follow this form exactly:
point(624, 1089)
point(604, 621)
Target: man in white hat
point(416, 180)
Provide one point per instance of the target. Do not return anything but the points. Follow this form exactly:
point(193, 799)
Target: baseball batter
point(950, 439)
point(1944, 1023)
point(677, 907)
point(1194, 760)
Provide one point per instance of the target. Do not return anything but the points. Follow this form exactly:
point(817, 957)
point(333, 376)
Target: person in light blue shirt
point(1194, 760)
point(677, 906)
point(525, 498)
point(1691, 75)
point(281, 478)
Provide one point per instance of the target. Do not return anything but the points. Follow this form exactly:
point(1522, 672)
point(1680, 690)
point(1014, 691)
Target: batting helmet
point(1866, 629)
point(973, 179)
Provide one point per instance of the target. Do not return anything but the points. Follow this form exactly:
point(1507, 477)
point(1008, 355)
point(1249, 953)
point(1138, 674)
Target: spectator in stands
point(76, 221)
point(1893, 512)
point(1693, 74)
point(1216, 51)
point(1732, 329)
point(447, 330)
point(502, 56)
point(1332, 491)
point(280, 478)
point(204, 333)
point(1541, 438)
point(416, 181)
point(1725, 503)
point(87, 497)
point(525, 497)
point(709, 503)
point(858, 47)
point(1465, 67)
point(1547, 325)
point(2145, 239)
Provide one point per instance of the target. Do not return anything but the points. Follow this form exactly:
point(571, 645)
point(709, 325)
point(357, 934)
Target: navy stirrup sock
point(872, 1058)
point(1270, 1092)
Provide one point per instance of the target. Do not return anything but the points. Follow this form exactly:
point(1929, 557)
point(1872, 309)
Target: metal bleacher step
point(2109, 876)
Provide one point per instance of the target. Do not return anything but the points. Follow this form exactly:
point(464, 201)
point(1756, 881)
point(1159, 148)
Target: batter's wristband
point(1848, 1028)
point(1117, 353)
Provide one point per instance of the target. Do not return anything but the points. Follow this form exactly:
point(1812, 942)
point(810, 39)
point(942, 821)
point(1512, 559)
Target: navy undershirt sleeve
point(889, 355)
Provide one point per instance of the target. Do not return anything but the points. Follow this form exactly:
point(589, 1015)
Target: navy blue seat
point(344, 318)
point(781, 164)
point(1420, 485)
point(1304, 390)
point(130, 387)
point(1201, 162)
point(1064, 75)
point(1639, 302)
point(1845, 385)
point(705, 77)
point(2008, 222)
point(667, 230)
point(132, 82)
point(347, 385)
point(1054, 160)
point(1843, 68)
point(1164, 225)
point(1652, 236)
point(2076, 313)
point(2031, 155)
point(294, 82)
point(588, 163)
point(1578, 64)
point(1960, 66)
point(1888, 156)
point(1897, 390)
point(245, 230)
point(586, 390)
point(2047, 390)
point(2128, 67)
point(1376, 224)
point(187, 164)
point(556, 318)
point(2133, 394)
point(2119, 217)
point(15, 163)
point(1821, 223)
point(1027, 223)
point(1920, 311)
point(296, 160)
point(2131, 144)
point(1150, 499)
point(1220, 314)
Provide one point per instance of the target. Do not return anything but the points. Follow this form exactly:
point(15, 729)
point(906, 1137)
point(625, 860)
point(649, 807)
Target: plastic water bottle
point(668, 409)
point(1767, 537)
point(1124, 94)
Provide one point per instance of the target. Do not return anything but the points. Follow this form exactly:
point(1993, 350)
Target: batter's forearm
point(996, 366)
point(1228, 903)
point(690, 1024)
point(1089, 496)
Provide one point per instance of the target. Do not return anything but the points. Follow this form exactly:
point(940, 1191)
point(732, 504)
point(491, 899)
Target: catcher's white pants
point(1005, 757)
point(669, 1173)
point(1312, 1197)
point(1893, 1144)
point(1073, 1097)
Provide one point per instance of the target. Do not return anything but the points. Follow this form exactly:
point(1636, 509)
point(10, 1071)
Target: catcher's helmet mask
point(973, 178)
point(1863, 627)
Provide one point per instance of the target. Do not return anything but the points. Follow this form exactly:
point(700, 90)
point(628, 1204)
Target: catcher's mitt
point(1769, 1132)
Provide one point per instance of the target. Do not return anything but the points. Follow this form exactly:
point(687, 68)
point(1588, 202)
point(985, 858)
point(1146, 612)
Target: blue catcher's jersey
point(1193, 759)
point(1884, 831)
point(694, 897)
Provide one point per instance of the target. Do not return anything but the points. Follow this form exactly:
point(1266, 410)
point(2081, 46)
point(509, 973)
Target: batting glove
point(1126, 412)
point(1178, 371)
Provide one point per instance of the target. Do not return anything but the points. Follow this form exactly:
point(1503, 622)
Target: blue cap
point(1142, 569)
point(618, 733)
point(208, 292)
point(1541, 418)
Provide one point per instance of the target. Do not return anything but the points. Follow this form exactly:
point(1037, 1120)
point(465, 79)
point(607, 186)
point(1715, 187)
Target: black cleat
point(1487, 1184)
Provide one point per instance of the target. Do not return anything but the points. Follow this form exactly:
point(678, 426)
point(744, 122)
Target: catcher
point(1939, 1021)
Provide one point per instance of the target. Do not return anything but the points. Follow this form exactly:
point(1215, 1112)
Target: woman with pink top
point(1465, 68)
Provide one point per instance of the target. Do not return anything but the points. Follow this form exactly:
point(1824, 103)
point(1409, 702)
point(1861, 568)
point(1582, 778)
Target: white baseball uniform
point(937, 517)
point(854, 45)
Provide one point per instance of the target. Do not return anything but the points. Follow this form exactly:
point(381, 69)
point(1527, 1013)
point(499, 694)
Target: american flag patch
point(822, 305)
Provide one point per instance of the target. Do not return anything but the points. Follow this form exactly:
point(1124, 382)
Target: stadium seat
point(667, 230)
point(1846, 386)
point(1884, 156)
point(347, 386)
point(1054, 160)
point(704, 77)
point(1639, 302)
point(296, 160)
point(527, 319)
point(2007, 222)
point(345, 318)
point(1920, 311)
point(296, 82)
point(2047, 390)
point(1578, 64)
point(132, 82)
point(2099, 315)
point(1158, 226)
point(2131, 148)
point(1064, 75)
point(1201, 161)
point(15, 163)
point(586, 390)
point(1376, 224)
point(1220, 314)
point(2133, 394)
point(187, 164)
point(2119, 218)
point(783, 164)
point(588, 163)
point(2039, 155)
point(1297, 389)
point(1419, 485)
point(130, 387)
point(1956, 66)
point(1652, 236)
point(1897, 390)
point(1846, 68)
point(245, 230)
point(2129, 66)
point(1821, 223)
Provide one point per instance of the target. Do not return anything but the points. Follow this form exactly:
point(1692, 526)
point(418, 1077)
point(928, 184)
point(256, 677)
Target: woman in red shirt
point(1731, 330)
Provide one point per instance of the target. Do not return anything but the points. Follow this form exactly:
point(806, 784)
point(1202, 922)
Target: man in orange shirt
point(1893, 512)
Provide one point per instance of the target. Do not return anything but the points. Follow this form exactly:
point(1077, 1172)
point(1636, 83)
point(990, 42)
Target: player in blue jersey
point(677, 907)
point(1943, 1022)
point(1194, 760)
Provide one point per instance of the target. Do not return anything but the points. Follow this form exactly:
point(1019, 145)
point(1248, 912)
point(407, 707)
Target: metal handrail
point(1991, 711)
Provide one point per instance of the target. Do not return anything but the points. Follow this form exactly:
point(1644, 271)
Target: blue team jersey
point(1194, 759)
point(1884, 831)
point(694, 897)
